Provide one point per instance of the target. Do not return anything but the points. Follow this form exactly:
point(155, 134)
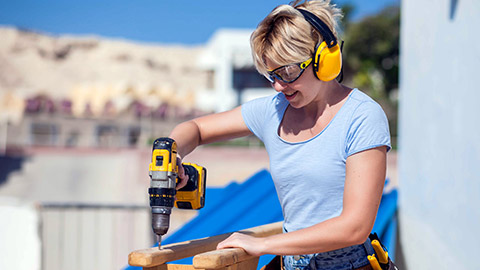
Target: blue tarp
point(9, 164)
point(254, 203)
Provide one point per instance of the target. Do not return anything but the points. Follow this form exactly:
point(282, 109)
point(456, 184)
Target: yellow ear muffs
point(327, 62)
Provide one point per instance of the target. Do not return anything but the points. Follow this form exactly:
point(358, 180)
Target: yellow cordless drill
point(163, 181)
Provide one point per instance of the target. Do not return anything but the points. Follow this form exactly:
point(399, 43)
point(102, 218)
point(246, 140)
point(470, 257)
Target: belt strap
point(368, 247)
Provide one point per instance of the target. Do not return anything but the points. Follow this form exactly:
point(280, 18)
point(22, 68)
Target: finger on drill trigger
point(183, 177)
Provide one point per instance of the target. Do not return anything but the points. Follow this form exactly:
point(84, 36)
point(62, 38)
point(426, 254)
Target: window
point(106, 136)
point(43, 134)
point(248, 78)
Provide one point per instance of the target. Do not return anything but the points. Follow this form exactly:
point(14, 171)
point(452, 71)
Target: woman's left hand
point(252, 245)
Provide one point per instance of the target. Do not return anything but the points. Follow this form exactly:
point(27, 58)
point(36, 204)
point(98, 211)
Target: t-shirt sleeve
point(254, 115)
point(368, 129)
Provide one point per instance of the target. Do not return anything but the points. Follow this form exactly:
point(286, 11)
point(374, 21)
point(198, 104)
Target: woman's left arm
point(364, 181)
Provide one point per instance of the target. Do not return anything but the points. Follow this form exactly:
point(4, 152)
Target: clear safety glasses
point(288, 73)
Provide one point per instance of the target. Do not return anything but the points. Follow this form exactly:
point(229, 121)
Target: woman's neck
point(329, 95)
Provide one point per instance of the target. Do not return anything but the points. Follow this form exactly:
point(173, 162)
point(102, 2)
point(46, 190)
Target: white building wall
point(225, 95)
point(439, 135)
point(19, 239)
point(226, 50)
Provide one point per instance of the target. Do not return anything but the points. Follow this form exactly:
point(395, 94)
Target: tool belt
point(277, 264)
point(377, 256)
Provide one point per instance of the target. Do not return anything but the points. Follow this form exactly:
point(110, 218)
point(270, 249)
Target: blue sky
point(158, 21)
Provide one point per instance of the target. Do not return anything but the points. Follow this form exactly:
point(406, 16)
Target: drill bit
point(159, 239)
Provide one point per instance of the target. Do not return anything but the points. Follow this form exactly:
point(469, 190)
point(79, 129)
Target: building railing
point(205, 255)
point(91, 236)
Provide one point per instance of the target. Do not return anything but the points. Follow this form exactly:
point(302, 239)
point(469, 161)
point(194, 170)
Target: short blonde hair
point(285, 37)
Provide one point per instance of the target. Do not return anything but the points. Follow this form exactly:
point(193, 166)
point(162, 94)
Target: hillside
point(93, 70)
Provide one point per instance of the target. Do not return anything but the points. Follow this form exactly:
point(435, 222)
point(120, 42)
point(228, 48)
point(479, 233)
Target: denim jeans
point(341, 259)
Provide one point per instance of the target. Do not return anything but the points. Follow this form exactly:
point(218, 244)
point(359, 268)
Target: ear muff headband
point(320, 26)
point(327, 57)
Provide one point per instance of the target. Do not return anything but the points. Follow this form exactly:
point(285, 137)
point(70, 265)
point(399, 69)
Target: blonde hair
point(285, 37)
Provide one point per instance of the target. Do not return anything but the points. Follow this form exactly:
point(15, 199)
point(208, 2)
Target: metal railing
point(91, 236)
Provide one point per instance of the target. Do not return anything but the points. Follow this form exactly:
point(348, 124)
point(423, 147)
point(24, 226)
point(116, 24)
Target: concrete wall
point(439, 138)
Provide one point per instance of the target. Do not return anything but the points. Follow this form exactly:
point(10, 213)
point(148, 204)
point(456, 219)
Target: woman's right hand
point(181, 174)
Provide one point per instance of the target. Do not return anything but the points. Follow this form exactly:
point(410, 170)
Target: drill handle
point(192, 195)
point(192, 182)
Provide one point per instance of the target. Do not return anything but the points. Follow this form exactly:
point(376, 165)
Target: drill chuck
point(160, 221)
point(161, 201)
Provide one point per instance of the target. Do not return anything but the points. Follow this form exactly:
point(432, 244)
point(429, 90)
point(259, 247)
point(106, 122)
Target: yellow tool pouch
point(378, 257)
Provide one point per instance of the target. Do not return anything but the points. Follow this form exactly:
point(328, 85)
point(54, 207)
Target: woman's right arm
point(208, 129)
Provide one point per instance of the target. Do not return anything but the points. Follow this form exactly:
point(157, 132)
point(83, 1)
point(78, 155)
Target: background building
point(90, 92)
point(233, 78)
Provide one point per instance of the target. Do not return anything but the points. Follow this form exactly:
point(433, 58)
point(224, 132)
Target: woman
point(327, 142)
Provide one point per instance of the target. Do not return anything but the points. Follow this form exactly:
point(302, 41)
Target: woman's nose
point(278, 85)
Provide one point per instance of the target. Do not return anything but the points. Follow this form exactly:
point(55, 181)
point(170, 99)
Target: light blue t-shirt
point(309, 176)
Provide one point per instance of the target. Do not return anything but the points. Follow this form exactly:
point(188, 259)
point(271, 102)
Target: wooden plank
point(154, 256)
point(247, 265)
point(171, 267)
point(221, 258)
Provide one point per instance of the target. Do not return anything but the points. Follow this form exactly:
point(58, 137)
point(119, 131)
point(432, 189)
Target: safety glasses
point(288, 73)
